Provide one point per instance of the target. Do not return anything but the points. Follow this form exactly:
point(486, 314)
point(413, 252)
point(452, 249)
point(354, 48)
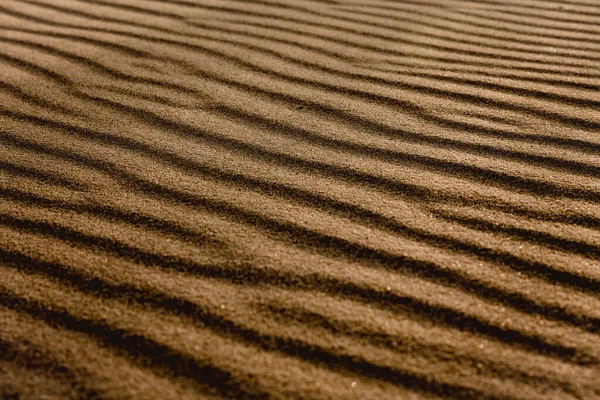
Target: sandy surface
point(353, 199)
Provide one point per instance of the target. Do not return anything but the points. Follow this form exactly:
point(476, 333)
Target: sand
point(299, 199)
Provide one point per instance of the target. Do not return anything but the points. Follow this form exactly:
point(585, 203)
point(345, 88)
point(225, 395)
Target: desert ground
point(299, 199)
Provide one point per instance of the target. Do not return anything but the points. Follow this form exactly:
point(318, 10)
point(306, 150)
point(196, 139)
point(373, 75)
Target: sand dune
point(299, 199)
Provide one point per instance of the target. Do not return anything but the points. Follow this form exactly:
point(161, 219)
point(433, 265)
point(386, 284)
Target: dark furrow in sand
point(249, 275)
point(361, 124)
point(343, 30)
point(337, 247)
point(496, 33)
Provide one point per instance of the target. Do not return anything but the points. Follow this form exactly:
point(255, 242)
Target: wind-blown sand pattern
point(362, 199)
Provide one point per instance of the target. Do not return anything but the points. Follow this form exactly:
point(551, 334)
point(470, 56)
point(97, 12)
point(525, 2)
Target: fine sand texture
point(299, 199)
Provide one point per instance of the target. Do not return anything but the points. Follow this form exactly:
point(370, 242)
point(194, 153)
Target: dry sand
point(361, 199)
